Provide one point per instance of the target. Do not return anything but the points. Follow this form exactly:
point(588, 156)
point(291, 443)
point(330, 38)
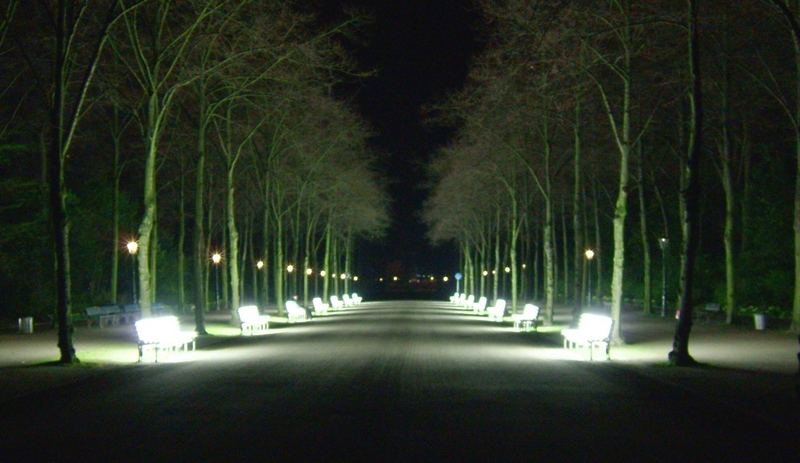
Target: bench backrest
point(712, 307)
point(248, 313)
point(103, 310)
point(595, 326)
point(334, 300)
point(500, 304)
point(157, 328)
point(355, 296)
point(292, 307)
point(530, 312)
point(470, 299)
point(481, 304)
point(346, 299)
point(317, 301)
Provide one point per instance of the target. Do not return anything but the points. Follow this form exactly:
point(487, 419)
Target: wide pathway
point(392, 381)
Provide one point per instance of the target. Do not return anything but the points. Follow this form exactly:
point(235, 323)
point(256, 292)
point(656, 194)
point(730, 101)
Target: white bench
point(480, 306)
point(335, 302)
point(497, 311)
point(356, 298)
point(320, 307)
point(526, 319)
point(593, 331)
point(251, 320)
point(454, 298)
point(347, 301)
point(162, 333)
point(294, 312)
point(460, 299)
point(469, 301)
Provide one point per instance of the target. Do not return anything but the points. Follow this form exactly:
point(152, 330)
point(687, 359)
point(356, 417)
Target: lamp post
point(663, 243)
point(133, 247)
point(589, 256)
point(216, 258)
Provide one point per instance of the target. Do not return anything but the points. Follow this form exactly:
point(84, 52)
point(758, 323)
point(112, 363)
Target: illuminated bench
point(356, 298)
point(162, 333)
point(593, 331)
point(469, 301)
point(526, 319)
point(496, 311)
point(454, 298)
point(319, 306)
point(251, 320)
point(460, 299)
point(336, 303)
point(480, 306)
point(294, 312)
point(347, 301)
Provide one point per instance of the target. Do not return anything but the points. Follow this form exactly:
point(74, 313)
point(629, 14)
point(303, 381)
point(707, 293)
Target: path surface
point(393, 381)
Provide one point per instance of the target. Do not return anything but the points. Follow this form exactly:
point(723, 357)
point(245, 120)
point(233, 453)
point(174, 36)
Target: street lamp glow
point(333, 275)
point(322, 273)
point(132, 247)
point(309, 271)
point(343, 276)
point(589, 254)
point(433, 278)
point(485, 272)
point(290, 268)
point(260, 264)
point(494, 272)
point(380, 279)
point(355, 278)
point(524, 266)
point(394, 278)
point(216, 258)
point(507, 269)
point(445, 279)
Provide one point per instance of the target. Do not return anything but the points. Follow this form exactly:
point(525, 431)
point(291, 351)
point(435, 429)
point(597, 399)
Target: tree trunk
point(646, 258)
point(148, 220)
point(233, 245)
point(680, 347)
point(57, 194)
point(199, 238)
point(181, 242)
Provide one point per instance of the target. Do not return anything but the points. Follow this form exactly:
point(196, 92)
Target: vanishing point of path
point(390, 381)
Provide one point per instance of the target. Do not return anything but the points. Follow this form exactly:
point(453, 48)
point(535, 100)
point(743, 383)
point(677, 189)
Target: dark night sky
point(420, 50)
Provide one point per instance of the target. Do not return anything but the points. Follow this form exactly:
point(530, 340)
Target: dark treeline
point(192, 128)
point(636, 129)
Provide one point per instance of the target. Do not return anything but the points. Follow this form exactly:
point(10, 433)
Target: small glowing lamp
point(216, 258)
point(260, 264)
point(132, 247)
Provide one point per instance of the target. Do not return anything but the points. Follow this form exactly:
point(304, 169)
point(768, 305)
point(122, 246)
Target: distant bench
point(110, 315)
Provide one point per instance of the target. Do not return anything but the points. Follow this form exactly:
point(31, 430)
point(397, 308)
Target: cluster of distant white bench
point(160, 334)
point(592, 332)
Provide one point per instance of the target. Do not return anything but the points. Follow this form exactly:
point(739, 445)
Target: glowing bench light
point(335, 302)
point(480, 306)
point(497, 311)
point(319, 306)
point(251, 320)
point(526, 319)
point(347, 301)
point(356, 298)
point(162, 333)
point(294, 312)
point(593, 331)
